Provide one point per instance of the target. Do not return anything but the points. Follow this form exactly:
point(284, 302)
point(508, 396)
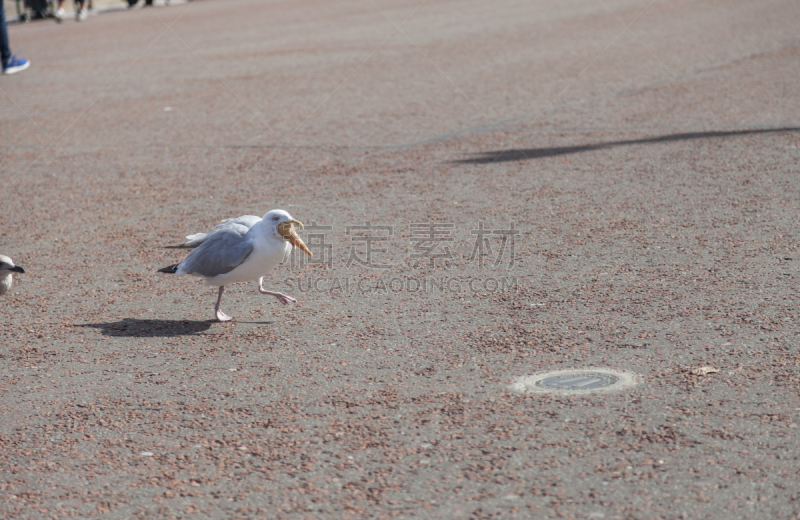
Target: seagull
point(7, 268)
point(242, 249)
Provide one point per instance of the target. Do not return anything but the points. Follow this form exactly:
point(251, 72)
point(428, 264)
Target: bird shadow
point(525, 154)
point(131, 327)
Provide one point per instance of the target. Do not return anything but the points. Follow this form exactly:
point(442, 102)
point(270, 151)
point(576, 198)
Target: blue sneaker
point(15, 65)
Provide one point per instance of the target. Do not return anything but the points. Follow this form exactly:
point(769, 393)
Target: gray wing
point(222, 250)
point(198, 238)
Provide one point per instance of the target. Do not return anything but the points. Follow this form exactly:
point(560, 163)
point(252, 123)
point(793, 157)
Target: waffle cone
point(289, 233)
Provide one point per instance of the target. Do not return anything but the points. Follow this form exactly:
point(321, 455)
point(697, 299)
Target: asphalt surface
point(644, 153)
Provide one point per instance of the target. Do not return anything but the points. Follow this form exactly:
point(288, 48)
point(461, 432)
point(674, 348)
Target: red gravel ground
point(646, 151)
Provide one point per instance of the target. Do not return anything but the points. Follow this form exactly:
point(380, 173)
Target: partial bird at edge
point(7, 270)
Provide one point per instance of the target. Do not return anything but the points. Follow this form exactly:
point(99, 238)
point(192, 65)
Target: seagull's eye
point(276, 218)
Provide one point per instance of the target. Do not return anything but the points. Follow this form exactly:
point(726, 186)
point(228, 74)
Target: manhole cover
point(575, 381)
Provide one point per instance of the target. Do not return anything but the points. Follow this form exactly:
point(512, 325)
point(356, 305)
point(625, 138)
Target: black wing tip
point(170, 269)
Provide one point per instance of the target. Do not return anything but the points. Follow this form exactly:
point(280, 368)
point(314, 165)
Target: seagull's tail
point(171, 269)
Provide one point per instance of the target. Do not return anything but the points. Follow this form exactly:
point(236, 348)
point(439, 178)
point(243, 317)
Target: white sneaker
point(60, 14)
point(81, 15)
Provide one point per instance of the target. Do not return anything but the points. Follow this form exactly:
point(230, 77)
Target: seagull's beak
point(288, 232)
point(17, 269)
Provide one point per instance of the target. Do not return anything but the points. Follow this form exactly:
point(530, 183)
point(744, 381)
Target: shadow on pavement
point(523, 154)
point(130, 327)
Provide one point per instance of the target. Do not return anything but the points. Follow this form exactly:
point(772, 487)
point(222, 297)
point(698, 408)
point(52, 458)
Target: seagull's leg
point(221, 316)
point(284, 299)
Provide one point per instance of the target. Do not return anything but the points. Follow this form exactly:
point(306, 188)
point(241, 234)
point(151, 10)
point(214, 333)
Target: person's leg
point(5, 50)
point(60, 13)
point(11, 64)
point(81, 12)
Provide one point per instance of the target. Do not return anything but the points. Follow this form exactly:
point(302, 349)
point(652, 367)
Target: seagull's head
point(282, 224)
point(7, 266)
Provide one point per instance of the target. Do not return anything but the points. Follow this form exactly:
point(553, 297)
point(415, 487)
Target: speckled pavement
point(491, 190)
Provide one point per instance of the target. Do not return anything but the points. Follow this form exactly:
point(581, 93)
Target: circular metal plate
point(575, 382)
